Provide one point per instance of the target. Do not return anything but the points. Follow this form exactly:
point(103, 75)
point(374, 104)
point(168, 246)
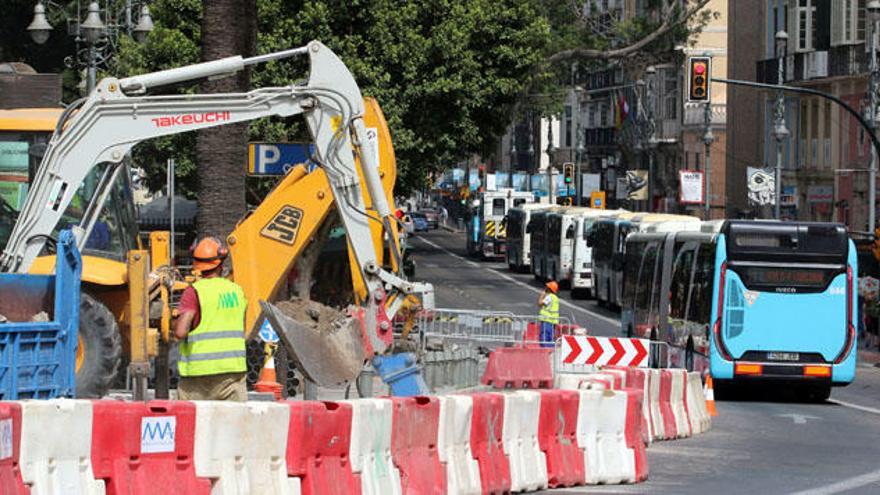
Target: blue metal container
point(402, 374)
point(38, 358)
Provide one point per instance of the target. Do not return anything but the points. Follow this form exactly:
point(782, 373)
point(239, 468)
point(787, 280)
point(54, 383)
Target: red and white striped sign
point(601, 351)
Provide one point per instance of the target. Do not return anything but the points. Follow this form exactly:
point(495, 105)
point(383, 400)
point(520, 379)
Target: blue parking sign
point(279, 158)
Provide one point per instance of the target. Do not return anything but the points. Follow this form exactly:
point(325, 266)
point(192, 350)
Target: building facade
point(827, 154)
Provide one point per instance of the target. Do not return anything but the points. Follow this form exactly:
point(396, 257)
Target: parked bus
point(518, 238)
point(486, 229)
point(537, 229)
point(567, 247)
point(608, 240)
point(758, 300)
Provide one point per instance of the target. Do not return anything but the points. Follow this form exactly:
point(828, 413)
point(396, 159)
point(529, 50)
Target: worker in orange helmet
point(548, 313)
point(210, 327)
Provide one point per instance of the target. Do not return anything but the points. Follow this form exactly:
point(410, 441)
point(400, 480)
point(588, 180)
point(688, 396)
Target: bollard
point(364, 384)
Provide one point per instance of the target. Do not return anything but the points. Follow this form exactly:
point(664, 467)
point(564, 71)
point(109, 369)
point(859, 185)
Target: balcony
point(694, 114)
point(848, 60)
point(798, 67)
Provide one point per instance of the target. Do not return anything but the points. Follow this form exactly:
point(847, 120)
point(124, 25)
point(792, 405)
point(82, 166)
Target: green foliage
point(447, 73)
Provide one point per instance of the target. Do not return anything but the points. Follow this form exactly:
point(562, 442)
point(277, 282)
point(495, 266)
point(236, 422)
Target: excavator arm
point(102, 129)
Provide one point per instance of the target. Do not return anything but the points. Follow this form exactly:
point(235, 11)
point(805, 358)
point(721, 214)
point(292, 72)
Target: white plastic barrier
point(658, 431)
point(242, 447)
point(56, 447)
point(454, 445)
point(587, 432)
point(616, 461)
point(528, 464)
point(370, 447)
point(568, 381)
point(682, 424)
point(696, 404)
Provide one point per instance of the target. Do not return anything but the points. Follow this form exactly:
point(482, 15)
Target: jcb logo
point(228, 300)
point(284, 225)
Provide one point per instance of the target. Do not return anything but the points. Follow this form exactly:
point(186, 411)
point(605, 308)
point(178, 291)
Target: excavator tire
point(101, 351)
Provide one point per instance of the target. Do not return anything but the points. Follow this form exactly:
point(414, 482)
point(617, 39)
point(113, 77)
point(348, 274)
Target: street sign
point(267, 333)
point(602, 351)
point(267, 159)
point(597, 200)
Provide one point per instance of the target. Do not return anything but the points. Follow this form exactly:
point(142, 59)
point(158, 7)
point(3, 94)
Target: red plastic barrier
point(633, 431)
point(607, 381)
point(145, 448)
point(414, 445)
point(10, 446)
point(669, 427)
point(557, 436)
point(637, 378)
point(317, 447)
point(517, 367)
point(532, 335)
point(486, 428)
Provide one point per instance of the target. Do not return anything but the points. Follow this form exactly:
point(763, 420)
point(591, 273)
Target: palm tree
point(229, 27)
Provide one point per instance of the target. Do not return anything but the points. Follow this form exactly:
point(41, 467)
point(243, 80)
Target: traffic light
point(699, 78)
point(568, 174)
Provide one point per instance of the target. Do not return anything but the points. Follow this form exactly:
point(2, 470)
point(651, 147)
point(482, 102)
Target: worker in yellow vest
point(549, 313)
point(210, 327)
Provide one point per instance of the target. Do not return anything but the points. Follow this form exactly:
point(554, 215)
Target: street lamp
point(551, 150)
point(39, 28)
point(780, 132)
point(510, 162)
point(100, 37)
point(651, 74)
point(873, 9)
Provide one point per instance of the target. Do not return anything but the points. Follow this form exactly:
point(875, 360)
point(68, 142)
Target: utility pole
point(780, 132)
point(873, 82)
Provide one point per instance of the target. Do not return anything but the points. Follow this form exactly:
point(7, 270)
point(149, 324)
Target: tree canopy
point(450, 74)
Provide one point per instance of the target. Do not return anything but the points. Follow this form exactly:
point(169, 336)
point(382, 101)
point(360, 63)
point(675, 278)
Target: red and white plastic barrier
point(596, 432)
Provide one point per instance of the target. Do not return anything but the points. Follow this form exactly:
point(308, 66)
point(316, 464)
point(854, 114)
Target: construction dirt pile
point(312, 314)
point(326, 344)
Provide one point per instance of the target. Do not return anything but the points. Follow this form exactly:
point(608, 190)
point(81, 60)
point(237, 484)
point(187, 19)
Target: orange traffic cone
point(709, 392)
point(268, 382)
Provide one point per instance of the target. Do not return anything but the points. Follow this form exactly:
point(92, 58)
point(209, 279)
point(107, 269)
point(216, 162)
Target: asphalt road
point(761, 442)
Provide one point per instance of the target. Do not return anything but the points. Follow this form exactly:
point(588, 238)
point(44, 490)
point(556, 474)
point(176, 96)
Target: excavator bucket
point(328, 353)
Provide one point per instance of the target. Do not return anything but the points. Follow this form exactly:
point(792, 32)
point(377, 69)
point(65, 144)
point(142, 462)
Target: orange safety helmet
point(208, 254)
point(553, 286)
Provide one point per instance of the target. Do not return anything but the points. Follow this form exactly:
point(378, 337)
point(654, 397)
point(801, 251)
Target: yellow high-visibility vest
point(550, 314)
point(217, 345)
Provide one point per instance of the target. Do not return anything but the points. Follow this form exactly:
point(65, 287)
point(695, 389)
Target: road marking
point(854, 406)
point(521, 283)
point(845, 485)
point(799, 419)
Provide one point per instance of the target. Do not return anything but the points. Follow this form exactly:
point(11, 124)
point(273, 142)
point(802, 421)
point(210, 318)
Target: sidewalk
point(869, 357)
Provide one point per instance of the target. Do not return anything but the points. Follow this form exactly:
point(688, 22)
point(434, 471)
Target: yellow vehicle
point(120, 282)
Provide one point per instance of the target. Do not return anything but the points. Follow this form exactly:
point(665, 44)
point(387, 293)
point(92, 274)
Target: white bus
point(518, 238)
point(608, 240)
point(569, 259)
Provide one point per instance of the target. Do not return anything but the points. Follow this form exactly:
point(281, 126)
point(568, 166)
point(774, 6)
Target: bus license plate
point(783, 356)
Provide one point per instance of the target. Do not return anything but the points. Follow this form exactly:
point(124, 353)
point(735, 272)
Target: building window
point(670, 93)
point(847, 22)
point(603, 114)
point(805, 19)
point(591, 115)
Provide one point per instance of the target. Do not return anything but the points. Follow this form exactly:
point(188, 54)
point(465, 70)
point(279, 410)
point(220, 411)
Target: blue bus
point(757, 300)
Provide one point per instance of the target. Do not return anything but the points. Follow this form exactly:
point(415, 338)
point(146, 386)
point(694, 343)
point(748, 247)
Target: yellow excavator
point(91, 194)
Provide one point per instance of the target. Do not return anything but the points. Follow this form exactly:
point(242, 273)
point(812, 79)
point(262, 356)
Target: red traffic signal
point(699, 78)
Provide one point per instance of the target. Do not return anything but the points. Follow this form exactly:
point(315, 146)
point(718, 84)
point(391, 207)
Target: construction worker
point(210, 327)
point(549, 313)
